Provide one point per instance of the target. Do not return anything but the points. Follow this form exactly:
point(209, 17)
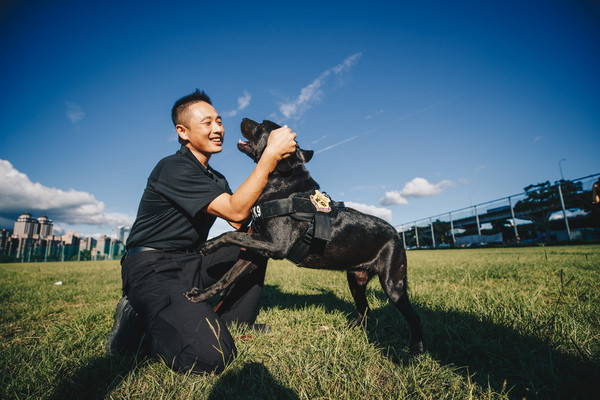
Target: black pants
point(190, 336)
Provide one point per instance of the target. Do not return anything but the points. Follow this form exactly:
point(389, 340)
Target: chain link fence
point(562, 212)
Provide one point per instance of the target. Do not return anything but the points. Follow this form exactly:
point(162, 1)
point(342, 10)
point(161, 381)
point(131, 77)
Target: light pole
point(560, 167)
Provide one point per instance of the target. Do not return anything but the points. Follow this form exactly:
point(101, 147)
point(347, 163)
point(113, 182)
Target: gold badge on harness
point(320, 201)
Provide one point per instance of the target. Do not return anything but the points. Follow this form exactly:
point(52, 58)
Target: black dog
point(294, 220)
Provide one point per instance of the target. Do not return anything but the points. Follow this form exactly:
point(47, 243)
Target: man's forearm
point(236, 207)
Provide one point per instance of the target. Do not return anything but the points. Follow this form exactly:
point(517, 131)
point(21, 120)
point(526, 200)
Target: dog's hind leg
point(358, 285)
point(393, 281)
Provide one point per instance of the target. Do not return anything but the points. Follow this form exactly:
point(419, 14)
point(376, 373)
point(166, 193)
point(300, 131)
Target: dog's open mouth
point(244, 147)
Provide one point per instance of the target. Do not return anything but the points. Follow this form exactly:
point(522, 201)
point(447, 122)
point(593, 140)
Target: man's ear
point(182, 132)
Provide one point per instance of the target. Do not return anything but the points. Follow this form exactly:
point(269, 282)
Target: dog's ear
point(270, 125)
point(286, 164)
point(305, 155)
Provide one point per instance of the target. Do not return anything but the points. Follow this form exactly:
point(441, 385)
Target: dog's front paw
point(207, 248)
point(194, 295)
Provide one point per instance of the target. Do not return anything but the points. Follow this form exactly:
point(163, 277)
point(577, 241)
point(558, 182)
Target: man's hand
point(281, 143)
point(236, 207)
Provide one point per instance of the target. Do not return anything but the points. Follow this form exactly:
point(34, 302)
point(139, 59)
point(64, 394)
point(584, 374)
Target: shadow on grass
point(94, 380)
point(253, 381)
point(98, 378)
point(482, 351)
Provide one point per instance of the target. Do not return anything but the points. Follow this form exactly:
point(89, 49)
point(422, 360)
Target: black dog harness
point(316, 208)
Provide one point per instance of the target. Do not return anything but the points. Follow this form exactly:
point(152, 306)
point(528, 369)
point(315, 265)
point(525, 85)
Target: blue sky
point(413, 109)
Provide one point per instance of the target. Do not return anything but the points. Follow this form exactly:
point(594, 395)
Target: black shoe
point(127, 332)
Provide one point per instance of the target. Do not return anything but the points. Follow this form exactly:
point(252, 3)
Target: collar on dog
point(316, 207)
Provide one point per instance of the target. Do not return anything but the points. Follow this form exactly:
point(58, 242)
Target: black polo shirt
point(170, 215)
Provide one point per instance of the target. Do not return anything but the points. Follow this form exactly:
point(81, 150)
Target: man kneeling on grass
point(182, 199)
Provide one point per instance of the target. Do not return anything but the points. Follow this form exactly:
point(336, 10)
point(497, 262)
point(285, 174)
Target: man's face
point(202, 128)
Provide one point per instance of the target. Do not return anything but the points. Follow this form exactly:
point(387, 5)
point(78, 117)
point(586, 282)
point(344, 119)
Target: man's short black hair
point(181, 105)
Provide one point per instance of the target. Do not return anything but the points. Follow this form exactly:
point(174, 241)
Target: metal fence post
point(417, 234)
point(478, 225)
point(452, 229)
point(403, 237)
point(562, 203)
point(512, 212)
point(432, 233)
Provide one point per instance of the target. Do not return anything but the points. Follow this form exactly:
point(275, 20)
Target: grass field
point(498, 323)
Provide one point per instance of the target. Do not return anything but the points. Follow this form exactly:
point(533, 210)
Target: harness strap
point(313, 241)
point(322, 227)
point(290, 206)
point(301, 248)
point(307, 209)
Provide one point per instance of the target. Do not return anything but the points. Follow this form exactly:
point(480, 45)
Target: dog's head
point(257, 136)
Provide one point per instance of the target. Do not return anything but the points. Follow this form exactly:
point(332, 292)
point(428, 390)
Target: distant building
point(71, 239)
point(4, 241)
point(87, 244)
point(103, 246)
point(34, 240)
point(28, 227)
point(25, 226)
point(46, 228)
point(123, 233)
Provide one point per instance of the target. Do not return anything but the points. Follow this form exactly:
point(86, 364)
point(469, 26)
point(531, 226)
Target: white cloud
point(374, 115)
point(380, 212)
point(318, 140)
point(349, 139)
point(18, 195)
point(393, 198)
point(74, 112)
point(313, 93)
point(346, 64)
point(418, 187)
point(243, 102)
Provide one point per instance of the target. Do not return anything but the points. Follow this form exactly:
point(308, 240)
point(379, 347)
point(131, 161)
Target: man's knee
point(191, 338)
point(200, 361)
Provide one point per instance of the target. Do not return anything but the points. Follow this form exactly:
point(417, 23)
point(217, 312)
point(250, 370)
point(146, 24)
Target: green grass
point(498, 323)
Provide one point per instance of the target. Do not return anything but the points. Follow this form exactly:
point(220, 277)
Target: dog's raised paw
point(205, 249)
point(192, 294)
